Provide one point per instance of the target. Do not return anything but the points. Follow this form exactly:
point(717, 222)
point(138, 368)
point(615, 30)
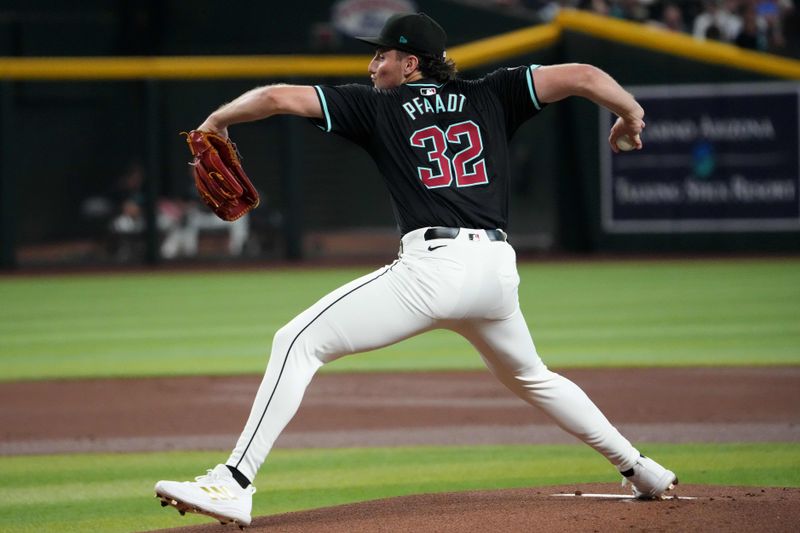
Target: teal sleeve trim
point(529, 76)
point(324, 103)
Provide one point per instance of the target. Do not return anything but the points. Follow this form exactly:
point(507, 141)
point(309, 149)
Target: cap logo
point(403, 40)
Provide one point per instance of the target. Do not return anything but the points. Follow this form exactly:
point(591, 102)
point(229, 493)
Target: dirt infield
point(648, 405)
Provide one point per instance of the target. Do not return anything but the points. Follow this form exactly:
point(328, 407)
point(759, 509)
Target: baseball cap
point(411, 32)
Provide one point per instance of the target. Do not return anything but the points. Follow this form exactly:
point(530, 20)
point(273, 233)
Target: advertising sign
point(716, 158)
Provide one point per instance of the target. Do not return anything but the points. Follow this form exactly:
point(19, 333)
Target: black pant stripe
point(286, 357)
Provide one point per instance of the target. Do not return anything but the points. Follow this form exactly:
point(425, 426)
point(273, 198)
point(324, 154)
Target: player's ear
point(410, 64)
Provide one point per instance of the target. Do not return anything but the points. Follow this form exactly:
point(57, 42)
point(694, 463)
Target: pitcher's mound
point(714, 508)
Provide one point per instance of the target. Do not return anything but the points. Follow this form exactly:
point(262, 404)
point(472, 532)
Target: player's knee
point(296, 344)
point(530, 380)
point(283, 338)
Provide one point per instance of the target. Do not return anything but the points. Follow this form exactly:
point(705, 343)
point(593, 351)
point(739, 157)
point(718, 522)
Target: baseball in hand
point(625, 143)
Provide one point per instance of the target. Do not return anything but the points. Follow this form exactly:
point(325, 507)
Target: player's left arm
point(264, 102)
point(556, 82)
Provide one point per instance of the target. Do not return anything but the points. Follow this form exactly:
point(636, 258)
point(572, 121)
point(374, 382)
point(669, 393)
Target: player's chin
point(382, 83)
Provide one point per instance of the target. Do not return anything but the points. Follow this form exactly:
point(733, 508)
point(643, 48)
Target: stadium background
point(77, 138)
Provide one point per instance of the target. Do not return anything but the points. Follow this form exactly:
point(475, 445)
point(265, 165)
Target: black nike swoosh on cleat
point(432, 248)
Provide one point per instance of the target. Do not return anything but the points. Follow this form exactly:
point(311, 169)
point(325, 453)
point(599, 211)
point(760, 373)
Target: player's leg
point(366, 314)
point(508, 350)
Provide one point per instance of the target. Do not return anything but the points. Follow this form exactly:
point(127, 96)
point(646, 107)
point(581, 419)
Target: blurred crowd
point(763, 25)
point(179, 220)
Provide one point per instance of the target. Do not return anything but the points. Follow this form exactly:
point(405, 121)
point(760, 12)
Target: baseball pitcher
point(441, 144)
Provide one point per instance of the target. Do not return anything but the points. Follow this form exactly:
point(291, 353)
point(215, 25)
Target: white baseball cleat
point(649, 479)
point(215, 494)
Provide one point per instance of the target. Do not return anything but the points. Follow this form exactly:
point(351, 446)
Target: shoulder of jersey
point(396, 91)
point(438, 87)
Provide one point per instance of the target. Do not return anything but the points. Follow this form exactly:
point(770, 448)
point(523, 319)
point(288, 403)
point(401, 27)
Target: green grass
point(113, 492)
point(581, 314)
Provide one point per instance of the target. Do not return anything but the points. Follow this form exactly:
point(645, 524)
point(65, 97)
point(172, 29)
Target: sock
point(629, 472)
point(238, 476)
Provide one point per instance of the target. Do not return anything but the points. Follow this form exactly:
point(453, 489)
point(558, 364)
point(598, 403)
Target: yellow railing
point(667, 42)
point(469, 55)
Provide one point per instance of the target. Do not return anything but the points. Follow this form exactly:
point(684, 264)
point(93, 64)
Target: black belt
point(452, 233)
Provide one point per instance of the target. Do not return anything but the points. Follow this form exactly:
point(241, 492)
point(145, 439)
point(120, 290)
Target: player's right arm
point(264, 102)
point(556, 82)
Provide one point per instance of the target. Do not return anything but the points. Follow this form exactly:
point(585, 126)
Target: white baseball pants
point(468, 285)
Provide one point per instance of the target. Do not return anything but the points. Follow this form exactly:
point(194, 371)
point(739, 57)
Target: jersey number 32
point(467, 164)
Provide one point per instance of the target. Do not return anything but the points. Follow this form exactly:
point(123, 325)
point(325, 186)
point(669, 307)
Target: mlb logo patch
point(474, 237)
point(427, 91)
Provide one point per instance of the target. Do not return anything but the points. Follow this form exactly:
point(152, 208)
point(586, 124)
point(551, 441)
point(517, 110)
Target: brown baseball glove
point(219, 176)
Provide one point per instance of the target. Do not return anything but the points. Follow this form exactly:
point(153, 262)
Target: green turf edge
point(691, 313)
point(113, 492)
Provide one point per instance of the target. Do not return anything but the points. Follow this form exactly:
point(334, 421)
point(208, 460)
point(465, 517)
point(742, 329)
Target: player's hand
point(630, 128)
point(211, 126)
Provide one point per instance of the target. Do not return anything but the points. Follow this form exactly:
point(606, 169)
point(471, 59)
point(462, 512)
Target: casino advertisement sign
point(716, 158)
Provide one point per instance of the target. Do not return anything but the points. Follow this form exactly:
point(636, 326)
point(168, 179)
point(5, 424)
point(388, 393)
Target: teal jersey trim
point(529, 75)
point(327, 126)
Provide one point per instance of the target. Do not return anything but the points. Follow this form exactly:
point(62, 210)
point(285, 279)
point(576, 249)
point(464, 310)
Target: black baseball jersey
point(441, 147)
